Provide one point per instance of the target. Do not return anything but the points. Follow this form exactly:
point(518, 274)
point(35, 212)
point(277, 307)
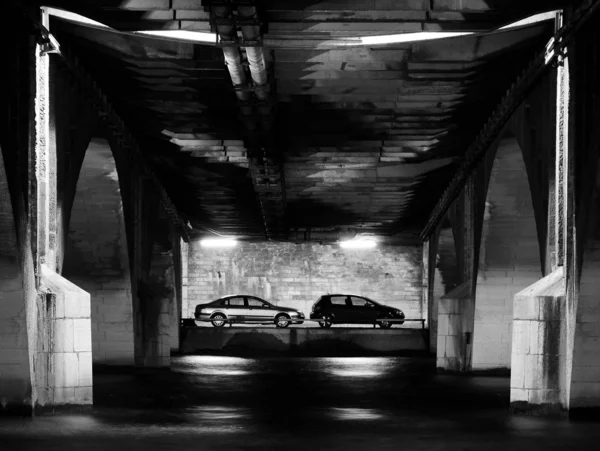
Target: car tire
point(328, 321)
point(218, 320)
point(282, 321)
point(385, 324)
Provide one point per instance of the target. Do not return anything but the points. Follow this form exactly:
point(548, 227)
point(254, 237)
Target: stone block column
point(455, 329)
point(540, 355)
point(64, 354)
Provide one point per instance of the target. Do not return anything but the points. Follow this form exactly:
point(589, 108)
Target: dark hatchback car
point(352, 309)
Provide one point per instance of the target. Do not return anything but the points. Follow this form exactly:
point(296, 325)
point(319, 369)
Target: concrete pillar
point(455, 329)
point(456, 309)
point(65, 342)
point(540, 351)
point(156, 292)
point(60, 327)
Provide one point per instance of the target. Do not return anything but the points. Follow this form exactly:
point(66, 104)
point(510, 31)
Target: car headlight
point(400, 313)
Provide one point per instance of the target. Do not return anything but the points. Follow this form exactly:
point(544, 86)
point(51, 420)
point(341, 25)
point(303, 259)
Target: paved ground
point(229, 403)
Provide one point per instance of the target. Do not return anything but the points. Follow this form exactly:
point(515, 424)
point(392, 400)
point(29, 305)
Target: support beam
point(512, 99)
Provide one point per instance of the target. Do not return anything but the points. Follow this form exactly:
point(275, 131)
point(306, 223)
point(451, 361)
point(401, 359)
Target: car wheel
point(282, 321)
point(385, 324)
point(327, 321)
point(218, 320)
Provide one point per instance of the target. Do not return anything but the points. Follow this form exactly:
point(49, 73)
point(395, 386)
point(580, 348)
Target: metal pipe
point(255, 55)
point(233, 58)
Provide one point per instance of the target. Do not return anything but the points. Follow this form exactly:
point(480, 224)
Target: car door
point(259, 310)
point(236, 308)
point(364, 311)
point(339, 309)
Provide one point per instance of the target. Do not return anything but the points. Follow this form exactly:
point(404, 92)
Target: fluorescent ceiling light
point(218, 242)
point(182, 35)
point(410, 37)
point(358, 243)
point(541, 17)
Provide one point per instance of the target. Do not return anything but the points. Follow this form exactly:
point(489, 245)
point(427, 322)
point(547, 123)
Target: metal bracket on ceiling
point(48, 43)
point(239, 42)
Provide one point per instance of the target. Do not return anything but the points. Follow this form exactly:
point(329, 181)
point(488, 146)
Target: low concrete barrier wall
point(302, 340)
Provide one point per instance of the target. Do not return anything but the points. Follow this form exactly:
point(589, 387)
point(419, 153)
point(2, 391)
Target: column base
point(541, 410)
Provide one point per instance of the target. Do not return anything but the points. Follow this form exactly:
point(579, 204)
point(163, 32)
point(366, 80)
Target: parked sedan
point(352, 309)
point(243, 308)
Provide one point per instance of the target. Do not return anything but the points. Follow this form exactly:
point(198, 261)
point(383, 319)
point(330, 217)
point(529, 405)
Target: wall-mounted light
point(218, 242)
point(358, 243)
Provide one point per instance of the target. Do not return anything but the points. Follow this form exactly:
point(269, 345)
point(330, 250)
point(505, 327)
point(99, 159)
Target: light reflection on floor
point(346, 403)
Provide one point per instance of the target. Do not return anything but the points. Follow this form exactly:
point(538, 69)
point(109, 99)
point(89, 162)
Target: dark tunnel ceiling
point(369, 136)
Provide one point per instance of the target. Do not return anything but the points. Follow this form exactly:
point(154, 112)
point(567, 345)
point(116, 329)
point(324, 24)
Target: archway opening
point(96, 257)
point(509, 256)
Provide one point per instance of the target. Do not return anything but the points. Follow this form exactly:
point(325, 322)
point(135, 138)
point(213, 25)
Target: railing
point(192, 322)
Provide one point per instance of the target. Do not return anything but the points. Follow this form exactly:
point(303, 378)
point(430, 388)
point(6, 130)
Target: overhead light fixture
point(218, 242)
point(536, 18)
point(411, 37)
point(358, 243)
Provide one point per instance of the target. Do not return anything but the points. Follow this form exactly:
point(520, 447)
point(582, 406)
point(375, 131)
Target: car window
point(221, 302)
point(338, 300)
point(253, 302)
point(236, 302)
point(361, 302)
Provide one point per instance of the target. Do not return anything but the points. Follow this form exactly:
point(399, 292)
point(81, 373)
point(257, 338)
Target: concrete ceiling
point(365, 137)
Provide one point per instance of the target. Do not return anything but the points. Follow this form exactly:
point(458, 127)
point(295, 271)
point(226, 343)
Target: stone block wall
point(96, 256)
point(296, 275)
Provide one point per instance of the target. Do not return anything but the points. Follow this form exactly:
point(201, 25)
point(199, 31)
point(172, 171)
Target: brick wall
point(509, 258)
point(295, 275)
point(96, 256)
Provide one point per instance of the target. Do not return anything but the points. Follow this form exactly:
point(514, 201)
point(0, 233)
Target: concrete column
point(65, 342)
point(455, 329)
point(456, 309)
point(545, 371)
point(156, 292)
point(540, 351)
point(60, 327)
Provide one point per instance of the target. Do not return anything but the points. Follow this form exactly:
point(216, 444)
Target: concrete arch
point(97, 258)
point(509, 256)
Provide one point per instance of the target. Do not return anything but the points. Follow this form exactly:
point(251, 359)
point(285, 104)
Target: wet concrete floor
point(344, 403)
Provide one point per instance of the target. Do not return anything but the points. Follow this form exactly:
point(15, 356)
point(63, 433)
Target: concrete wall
point(585, 376)
point(96, 256)
point(295, 275)
point(509, 258)
point(15, 382)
